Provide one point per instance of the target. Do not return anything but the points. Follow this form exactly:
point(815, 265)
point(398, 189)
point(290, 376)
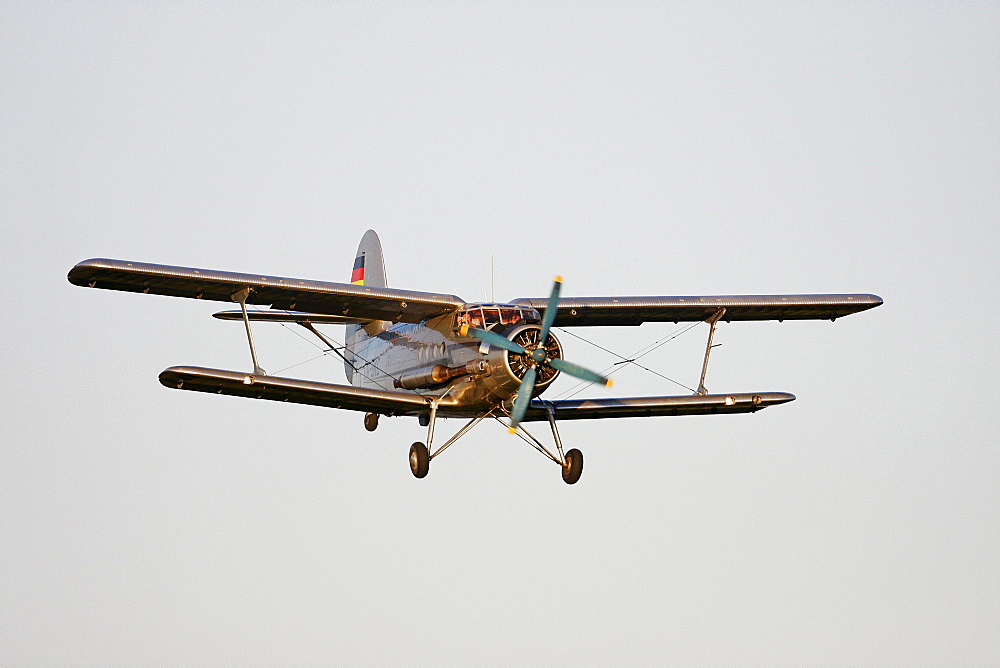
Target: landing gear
point(371, 421)
point(571, 462)
point(572, 467)
point(420, 460)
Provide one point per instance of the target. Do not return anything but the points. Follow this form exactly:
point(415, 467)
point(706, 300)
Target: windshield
point(487, 316)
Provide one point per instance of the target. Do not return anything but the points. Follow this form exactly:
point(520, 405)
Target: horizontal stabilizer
point(290, 316)
point(690, 404)
point(274, 388)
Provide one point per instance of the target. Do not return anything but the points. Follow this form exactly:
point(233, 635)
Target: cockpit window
point(487, 316)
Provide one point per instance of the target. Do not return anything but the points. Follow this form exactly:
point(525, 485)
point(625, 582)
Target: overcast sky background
point(686, 148)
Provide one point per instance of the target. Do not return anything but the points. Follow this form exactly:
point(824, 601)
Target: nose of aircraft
point(538, 355)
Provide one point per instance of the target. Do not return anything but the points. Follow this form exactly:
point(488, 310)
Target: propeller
point(536, 357)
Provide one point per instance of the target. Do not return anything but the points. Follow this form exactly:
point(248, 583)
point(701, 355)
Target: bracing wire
point(326, 352)
point(631, 359)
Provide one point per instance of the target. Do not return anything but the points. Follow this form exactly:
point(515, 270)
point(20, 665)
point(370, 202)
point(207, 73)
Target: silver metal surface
point(603, 311)
point(275, 388)
point(621, 407)
point(344, 299)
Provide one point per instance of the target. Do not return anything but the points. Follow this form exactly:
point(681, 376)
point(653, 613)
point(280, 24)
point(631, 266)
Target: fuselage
point(434, 359)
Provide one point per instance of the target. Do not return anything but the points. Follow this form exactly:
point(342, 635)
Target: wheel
point(573, 467)
point(371, 421)
point(420, 460)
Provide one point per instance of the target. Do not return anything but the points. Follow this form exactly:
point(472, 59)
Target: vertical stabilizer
point(368, 270)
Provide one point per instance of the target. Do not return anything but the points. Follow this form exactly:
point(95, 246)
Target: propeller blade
point(523, 398)
point(579, 372)
point(550, 311)
point(497, 340)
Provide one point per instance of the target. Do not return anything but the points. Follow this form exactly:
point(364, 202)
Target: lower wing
point(387, 402)
point(275, 388)
point(692, 404)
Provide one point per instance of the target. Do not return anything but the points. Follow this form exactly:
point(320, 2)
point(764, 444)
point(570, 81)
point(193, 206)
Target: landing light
point(248, 380)
point(730, 401)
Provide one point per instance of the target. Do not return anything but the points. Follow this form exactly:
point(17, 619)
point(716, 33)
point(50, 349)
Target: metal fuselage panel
point(381, 359)
point(402, 348)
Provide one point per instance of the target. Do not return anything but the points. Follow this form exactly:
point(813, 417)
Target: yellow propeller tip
point(610, 383)
point(511, 430)
point(559, 279)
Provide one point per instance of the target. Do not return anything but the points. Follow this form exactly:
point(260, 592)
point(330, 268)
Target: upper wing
point(582, 311)
point(342, 299)
point(706, 404)
point(275, 388)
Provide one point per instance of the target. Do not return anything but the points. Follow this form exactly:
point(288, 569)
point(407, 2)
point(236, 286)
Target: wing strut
point(241, 297)
point(713, 321)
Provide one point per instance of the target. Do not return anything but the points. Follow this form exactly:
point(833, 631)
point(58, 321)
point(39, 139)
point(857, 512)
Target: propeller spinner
point(537, 357)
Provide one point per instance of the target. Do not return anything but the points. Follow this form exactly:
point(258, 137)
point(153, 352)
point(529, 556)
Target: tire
point(573, 467)
point(371, 421)
point(420, 460)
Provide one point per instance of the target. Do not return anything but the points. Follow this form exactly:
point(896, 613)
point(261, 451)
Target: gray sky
point(646, 149)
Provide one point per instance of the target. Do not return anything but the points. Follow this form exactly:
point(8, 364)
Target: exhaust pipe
point(436, 375)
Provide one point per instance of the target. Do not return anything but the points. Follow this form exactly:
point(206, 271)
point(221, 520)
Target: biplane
point(430, 356)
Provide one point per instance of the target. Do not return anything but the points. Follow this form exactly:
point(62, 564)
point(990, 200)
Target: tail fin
point(369, 270)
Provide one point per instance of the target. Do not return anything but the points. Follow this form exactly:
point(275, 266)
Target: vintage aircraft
point(433, 355)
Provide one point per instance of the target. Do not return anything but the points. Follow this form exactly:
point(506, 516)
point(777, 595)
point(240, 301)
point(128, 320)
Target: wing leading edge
point(342, 299)
point(617, 311)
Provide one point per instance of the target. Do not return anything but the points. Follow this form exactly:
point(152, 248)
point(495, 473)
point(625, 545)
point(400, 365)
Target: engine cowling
point(506, 369)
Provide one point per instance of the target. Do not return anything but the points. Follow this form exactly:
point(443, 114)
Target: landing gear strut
point(571, 462)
